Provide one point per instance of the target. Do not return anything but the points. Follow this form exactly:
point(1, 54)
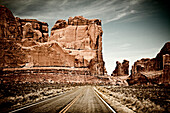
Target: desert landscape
point(56, 72)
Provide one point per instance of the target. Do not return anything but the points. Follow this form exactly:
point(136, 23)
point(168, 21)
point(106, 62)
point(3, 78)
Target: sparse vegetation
point(138, 98)
point(14, 94)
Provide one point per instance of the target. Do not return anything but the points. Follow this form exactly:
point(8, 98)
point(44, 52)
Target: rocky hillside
point(152, 71)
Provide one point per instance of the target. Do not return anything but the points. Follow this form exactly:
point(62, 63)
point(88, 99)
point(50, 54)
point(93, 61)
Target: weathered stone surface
point(14, 27)
point(48, 54)
point(34, 29)
point(52, 74)
point(10, 26)
point(122, 69)
point(74, 44)
point(152, 71)
point(83, 39)
point(166, 68)
point(11, 54)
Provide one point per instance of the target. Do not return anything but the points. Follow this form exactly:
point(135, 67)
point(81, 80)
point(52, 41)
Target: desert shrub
point(141, 98)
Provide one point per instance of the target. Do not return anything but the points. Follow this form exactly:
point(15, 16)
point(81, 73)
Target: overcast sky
point(133, 29)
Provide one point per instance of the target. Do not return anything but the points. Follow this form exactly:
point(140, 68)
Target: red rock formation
point(152, 71)
point(11, 55)
point(83, 39)
point(11, 32)
point(14, 27)
point(48, 54)
point(32, 28)
point(166, 68)
point(76, 43)
point(122, 69)
point(10, 27)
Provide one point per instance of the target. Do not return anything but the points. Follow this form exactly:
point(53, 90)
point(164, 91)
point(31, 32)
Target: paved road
point(80, 100)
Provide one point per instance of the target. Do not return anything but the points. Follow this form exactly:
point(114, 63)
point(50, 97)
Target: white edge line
point(35, 103)
point(105, 102)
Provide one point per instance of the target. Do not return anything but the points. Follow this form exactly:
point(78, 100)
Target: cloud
point(125, 46)
point(106, 10)
point(119, 16)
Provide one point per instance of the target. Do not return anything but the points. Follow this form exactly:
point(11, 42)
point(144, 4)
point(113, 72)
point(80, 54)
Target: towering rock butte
point(76, 43)
point(81, 38)
point(152, 71)
point(122, 69)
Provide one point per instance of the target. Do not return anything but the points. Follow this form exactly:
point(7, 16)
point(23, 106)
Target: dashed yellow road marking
point(70, 104)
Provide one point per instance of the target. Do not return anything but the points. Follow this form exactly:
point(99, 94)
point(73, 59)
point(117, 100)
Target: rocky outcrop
point(166, 68)
point(48, 54)
point(152, 71)
point(34, 29)
point(15, 34)
point(76, 43)
point(11, 55)
point(83, 39)
point(122, 69)
point(10, 27)
point(14, 27)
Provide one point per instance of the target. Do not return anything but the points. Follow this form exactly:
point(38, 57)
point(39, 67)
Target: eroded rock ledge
point(152, 71)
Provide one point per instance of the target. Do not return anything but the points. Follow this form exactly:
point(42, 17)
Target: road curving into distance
point(79, 100)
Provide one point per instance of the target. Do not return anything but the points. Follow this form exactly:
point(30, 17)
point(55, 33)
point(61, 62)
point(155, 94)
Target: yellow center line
point(70, 104)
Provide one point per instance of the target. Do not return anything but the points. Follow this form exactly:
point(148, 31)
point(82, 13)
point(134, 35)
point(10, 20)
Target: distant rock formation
point(122, 69)
point(75, 44)
point(152, 71)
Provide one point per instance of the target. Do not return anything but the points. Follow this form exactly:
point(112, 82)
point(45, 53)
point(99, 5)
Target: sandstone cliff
point(152, 71)
point(81, 38)
point(10, 27)
point(16, 33)
point(122, 69)
point(76, 44)
point(34, 29)
point(14, 27)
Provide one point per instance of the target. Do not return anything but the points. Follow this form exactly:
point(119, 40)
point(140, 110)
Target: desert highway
point(79, 100)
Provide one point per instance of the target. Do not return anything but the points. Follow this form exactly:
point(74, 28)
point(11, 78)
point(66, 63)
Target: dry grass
point(13, 95)
point(139, 99)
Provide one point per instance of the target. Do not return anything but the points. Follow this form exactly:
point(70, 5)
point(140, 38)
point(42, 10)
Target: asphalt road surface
point(79, 100)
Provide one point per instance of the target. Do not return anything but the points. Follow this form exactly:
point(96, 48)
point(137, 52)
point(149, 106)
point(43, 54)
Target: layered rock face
point(15, 34)
point(74, 44)
point(10, 27)
point(81, 38)
point(122, 69)
point(14, 27)
point(152, 71)
point(34, 29)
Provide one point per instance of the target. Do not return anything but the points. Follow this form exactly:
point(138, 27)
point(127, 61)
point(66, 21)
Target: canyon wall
point(76, 43)
point(152, 71)
point(14, 27)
